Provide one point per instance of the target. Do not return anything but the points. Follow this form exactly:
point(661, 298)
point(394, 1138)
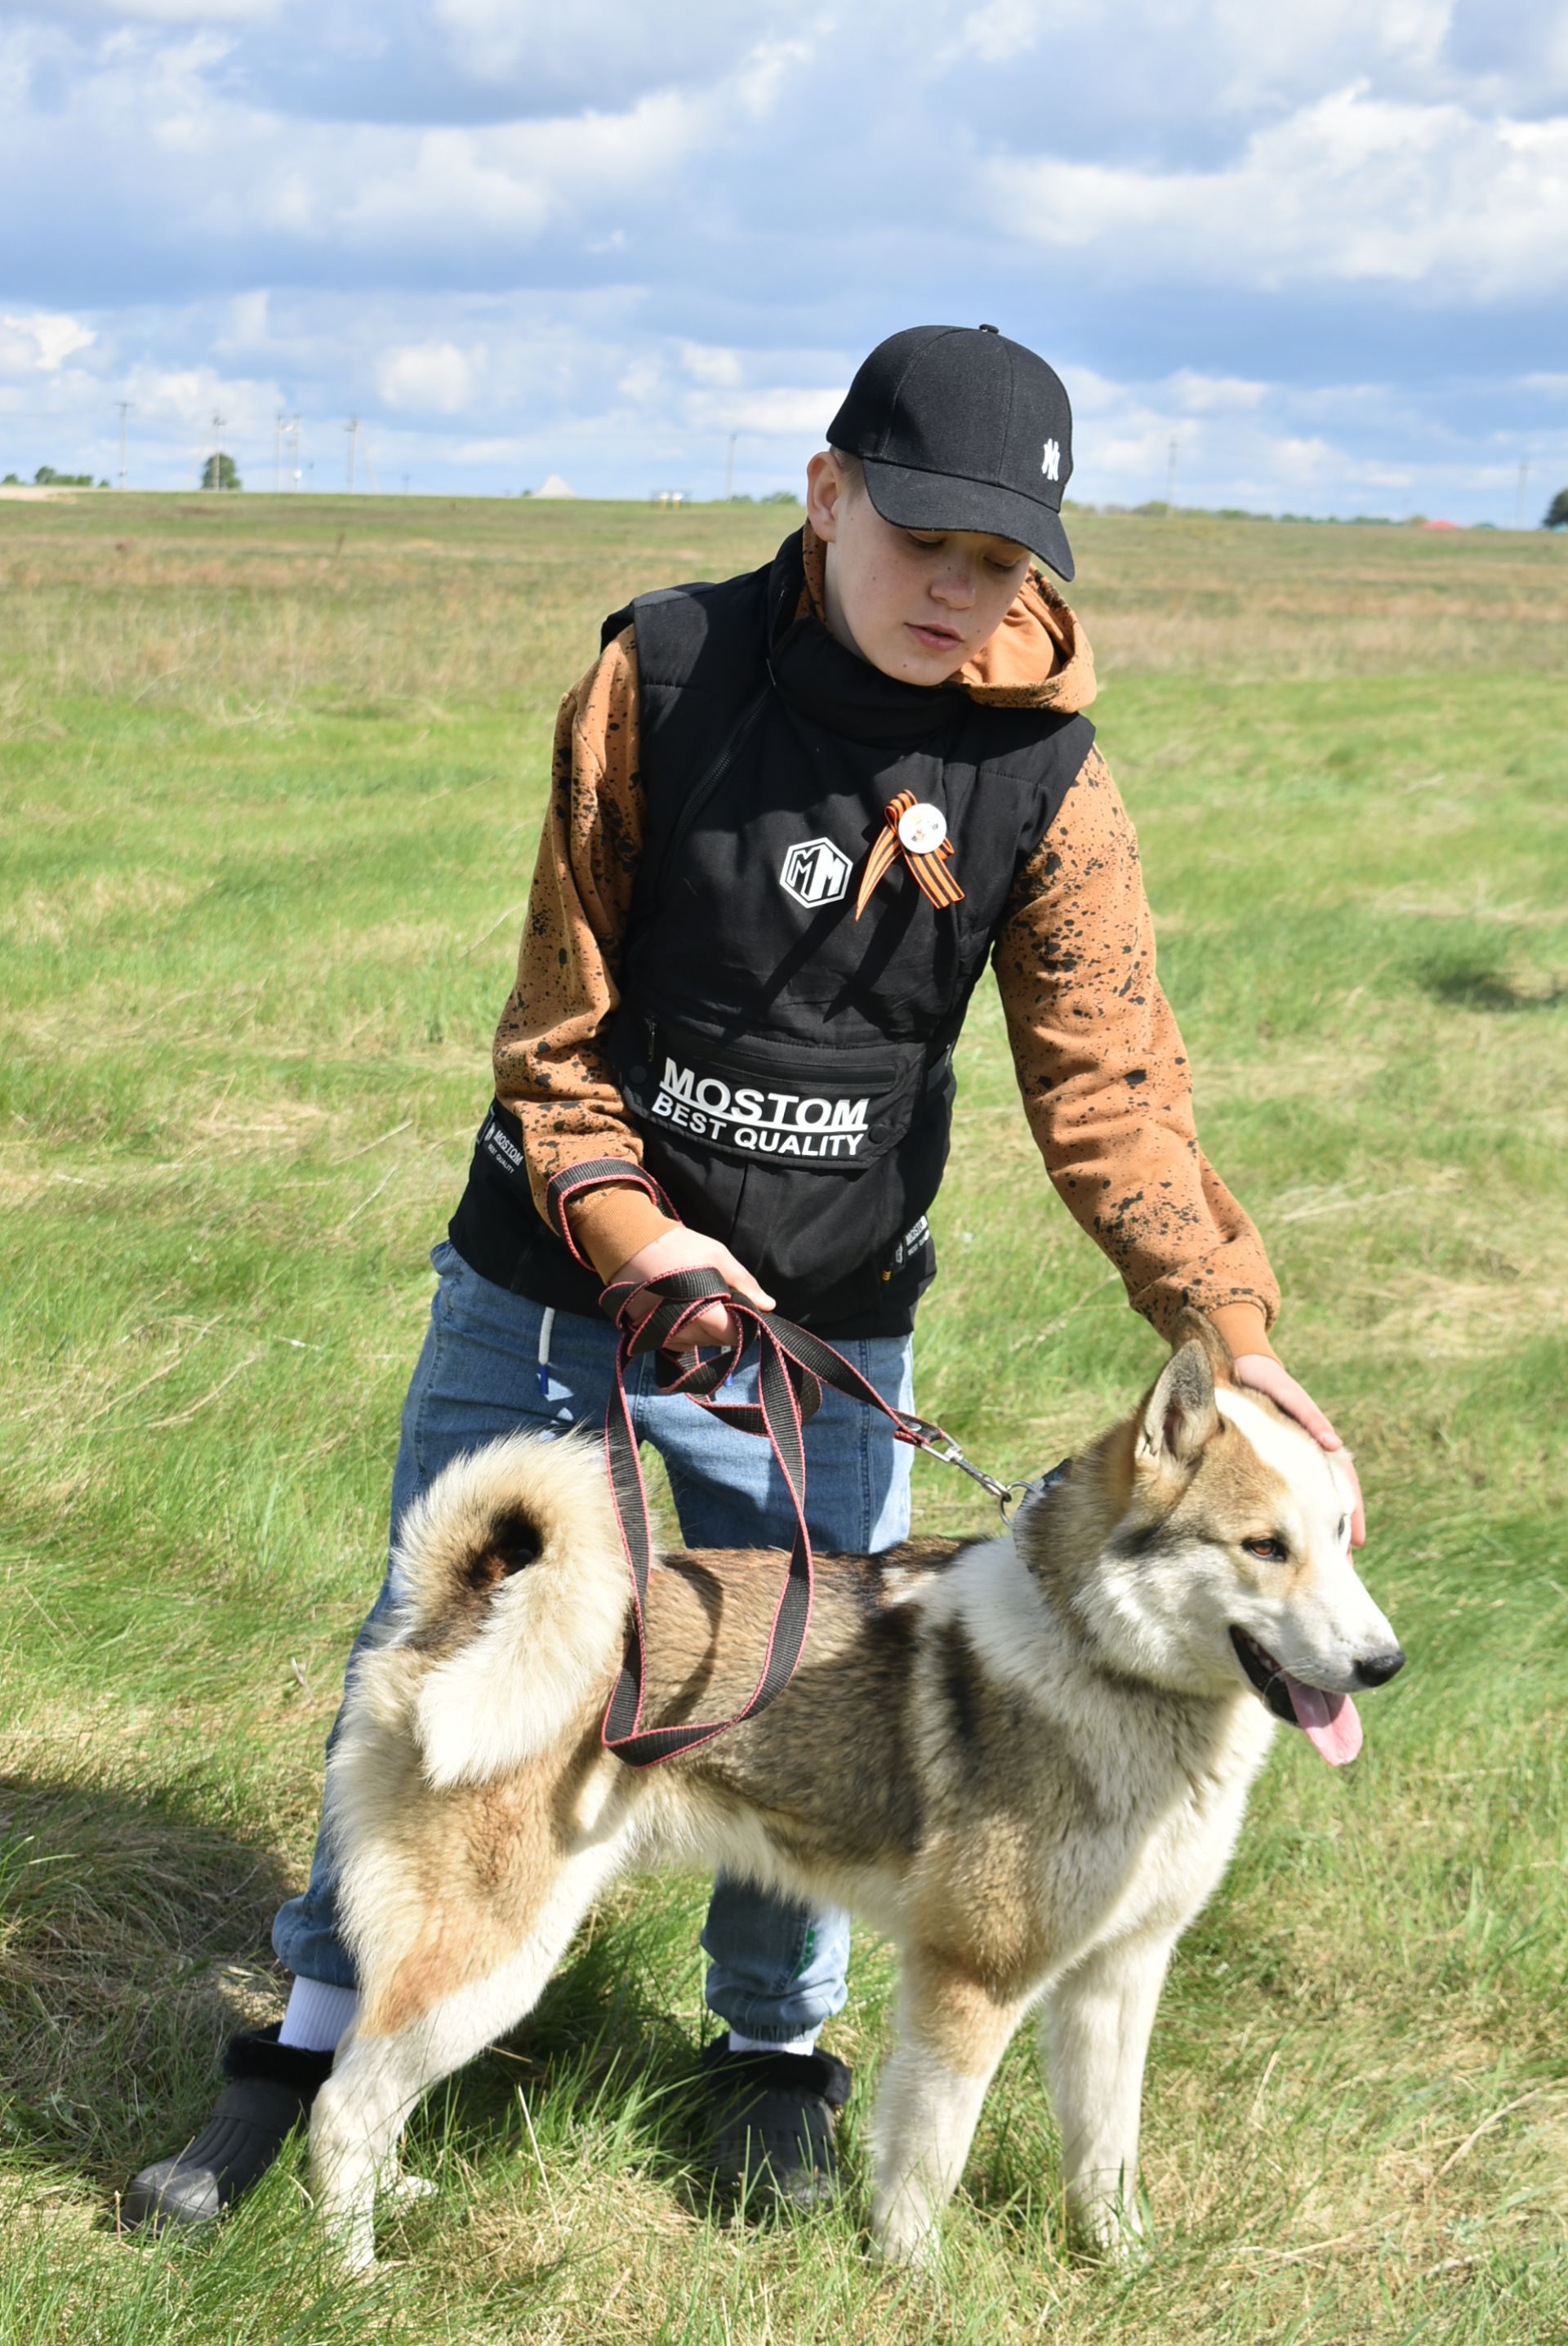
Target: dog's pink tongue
point(1330, 1722)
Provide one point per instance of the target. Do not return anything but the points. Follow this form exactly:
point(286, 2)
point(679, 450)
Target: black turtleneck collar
point(834, 685)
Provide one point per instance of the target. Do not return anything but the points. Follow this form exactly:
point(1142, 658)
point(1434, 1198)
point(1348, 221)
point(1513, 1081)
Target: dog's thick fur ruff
point(1025, 1759)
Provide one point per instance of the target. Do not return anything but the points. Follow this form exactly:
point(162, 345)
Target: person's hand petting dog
point(680, 1248)
point(1270, 1377)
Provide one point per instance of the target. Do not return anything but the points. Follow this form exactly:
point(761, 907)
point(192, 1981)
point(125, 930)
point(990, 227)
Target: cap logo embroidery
point(1050, 463)
point(815, 872)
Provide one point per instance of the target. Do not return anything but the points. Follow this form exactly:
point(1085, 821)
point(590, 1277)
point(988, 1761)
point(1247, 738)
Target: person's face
point(917, 603)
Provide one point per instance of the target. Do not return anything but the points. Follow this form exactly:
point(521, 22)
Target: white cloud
point(1212, 395)
point(707, 363)
point(1000, 31)
point(641, 382)
point(186, 399)
point(430, 378)
point(181, 156)
point(41, 344)
point(788, 414)
point(1353, 187)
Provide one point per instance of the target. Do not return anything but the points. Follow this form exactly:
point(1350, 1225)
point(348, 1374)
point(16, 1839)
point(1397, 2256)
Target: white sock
point(317, 2015)
point(739, 2043)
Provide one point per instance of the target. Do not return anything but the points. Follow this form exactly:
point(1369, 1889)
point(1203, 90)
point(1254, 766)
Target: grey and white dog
point(1023, 1759)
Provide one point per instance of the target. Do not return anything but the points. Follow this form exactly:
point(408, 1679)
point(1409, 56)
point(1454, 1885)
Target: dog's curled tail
point(512, 1602)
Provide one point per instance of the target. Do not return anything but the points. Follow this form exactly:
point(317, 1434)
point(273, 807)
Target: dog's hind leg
point(952, 2034)
point(406, 2040)
point(1095, 2037)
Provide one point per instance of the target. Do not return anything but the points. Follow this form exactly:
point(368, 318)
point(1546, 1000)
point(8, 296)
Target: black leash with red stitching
point(793, 1366)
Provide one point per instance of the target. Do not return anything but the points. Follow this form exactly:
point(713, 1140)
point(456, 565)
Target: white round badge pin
point(923, 828)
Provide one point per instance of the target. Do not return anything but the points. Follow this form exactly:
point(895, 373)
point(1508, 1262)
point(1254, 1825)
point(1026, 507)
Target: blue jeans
point(493, 1363)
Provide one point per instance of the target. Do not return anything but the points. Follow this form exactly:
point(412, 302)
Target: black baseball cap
point(959, 428)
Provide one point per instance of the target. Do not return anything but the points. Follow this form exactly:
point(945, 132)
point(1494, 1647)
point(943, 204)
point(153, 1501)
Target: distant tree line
point(1557, 512)
point(45, 477)
point(219, 471)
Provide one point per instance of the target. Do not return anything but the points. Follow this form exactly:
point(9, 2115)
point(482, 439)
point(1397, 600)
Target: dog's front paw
point(352, 2243)
point(1108, 2229)
point(410, 2187)
point(904, 2233)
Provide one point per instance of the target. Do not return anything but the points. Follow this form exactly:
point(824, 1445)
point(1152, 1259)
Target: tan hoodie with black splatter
point(1101, 1069)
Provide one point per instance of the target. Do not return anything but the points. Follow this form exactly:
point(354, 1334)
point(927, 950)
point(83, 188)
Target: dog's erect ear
point(1191, 1328)
point(1180, 1414)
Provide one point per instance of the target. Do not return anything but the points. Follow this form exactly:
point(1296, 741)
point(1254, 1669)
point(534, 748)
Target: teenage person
point(791, 818)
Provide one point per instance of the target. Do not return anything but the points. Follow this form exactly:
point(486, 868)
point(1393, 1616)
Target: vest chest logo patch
point(783, 1123)
point(815, 872)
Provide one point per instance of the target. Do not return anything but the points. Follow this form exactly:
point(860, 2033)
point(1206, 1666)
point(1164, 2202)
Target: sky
point(1319, 250)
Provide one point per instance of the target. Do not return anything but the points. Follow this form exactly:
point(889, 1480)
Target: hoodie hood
point(1039, 658)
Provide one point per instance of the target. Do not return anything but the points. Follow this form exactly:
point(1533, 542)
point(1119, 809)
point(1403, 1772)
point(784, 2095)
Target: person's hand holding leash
point(683, 1249)
point(1267, 1375)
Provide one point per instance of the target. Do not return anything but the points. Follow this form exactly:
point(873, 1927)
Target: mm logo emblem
point(815, 872)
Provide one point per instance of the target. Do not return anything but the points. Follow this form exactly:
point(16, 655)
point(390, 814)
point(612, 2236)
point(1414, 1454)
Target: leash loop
point(793, 1367)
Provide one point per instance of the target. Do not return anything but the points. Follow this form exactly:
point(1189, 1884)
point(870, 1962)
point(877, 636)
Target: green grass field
point(272, 773)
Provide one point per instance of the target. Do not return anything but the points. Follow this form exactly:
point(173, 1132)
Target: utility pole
point(1519, 506)
point(292, 431)
point(217, 423)
point(729, 470)
point(125, 406)
point(1170, 477)
point(352, 428)
point(279, 423)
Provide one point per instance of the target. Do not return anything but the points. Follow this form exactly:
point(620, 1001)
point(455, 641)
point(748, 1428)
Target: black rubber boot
point(772, 2118)
point(270, 2088)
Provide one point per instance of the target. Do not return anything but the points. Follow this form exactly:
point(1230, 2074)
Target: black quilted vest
point(787, 1067)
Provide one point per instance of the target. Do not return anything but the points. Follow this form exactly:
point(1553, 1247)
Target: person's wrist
point(1242, 1328)
point(612, 1224)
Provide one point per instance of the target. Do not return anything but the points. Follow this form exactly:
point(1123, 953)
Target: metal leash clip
point(939, 1445)
point(935, 1442)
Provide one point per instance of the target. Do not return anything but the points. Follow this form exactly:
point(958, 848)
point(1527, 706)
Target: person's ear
point(824, 494)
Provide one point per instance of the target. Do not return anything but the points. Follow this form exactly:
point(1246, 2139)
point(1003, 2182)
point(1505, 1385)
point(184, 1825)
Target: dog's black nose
point(1376, 1669)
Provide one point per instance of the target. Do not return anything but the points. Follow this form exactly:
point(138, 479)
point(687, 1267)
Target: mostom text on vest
point(773, 1123)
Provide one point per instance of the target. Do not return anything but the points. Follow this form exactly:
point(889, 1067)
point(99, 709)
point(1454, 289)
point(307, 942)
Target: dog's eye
point(1272, 1551)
